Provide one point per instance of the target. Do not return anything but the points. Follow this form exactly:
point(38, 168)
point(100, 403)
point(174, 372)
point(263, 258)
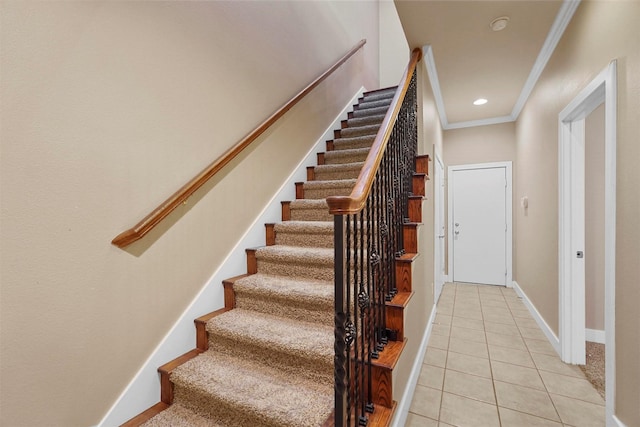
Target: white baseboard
point(548, 332)
point(617, 422)
point(144, 389)
point(594, 335)
point(402, 411)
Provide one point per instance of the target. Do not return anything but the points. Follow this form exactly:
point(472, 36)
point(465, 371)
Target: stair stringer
point(144, 389)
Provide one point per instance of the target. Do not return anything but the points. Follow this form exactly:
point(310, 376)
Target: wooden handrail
point(346, 205)
point(158, 214)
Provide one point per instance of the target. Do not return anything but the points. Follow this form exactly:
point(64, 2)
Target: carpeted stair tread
point(305, 233)
point(387, 91)
point(371, 111)
point(359, 130)
point(279, 342)
point(310, 210)
point(302, 300)
point(365, 105)
point(324, 189)
point(292, 261)
point(364, 141)
point(177, 415)
point(236, 392)
point(367, 120)
point(352, 155)
point(338, 171)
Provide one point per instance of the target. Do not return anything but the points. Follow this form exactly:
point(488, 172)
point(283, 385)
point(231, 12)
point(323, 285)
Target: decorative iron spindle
point(367, 244)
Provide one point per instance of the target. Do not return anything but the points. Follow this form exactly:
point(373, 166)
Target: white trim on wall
point(602, 89)
point(144, 389)
point(548, 332)
point(595, 335)
point(617, 423)
point(402, 411)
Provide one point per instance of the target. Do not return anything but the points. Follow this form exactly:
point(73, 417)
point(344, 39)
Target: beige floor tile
point(576, 388)
point(511, 418)
point(498, 311)
point(439, 341)
point(494, 302)
point(546, 362)
point(515, 304)
point(463, 412)
point(579, 413)
point(468, 334)
point(445, 308)
point(463, 322)
point(472, 348)
point(511, 341)
point(523, 322)
point(469, 364)
point(501, 328)
point(468, 314)
point(519, 312)
point(426, 402)
point(440, 329)
point(490, 289)
point(499, 318)
point(515, 374)
point(435, 357)
point(442, 319)
point(509, 355)
point(470, 386)
point(415, 420)
point(525, 399)
point(540, 346)
point(533, 333)
point(431, 376)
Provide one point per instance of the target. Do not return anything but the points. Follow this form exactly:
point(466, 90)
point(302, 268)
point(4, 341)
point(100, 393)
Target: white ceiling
point(466, 60)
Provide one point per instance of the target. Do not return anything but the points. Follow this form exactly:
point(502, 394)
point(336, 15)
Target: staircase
point(267, 358)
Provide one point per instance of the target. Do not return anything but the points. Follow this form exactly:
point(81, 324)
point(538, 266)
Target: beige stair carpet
point(270, 359)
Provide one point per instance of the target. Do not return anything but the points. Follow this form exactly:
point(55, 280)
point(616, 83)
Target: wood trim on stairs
point(146, 415)
point(382, 372)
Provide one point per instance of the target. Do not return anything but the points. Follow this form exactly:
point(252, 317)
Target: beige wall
point(594, 219)
point(394, 50)
point(108, 108)
point(598, 33)
point(480, 144)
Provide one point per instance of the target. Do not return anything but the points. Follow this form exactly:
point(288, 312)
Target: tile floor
point(489, 364)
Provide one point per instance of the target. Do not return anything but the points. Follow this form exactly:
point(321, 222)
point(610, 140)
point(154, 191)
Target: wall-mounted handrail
point(344, 205)
point(158, 214)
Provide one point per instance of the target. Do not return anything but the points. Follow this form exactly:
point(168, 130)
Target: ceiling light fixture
point(480, 101)
point(500, 23)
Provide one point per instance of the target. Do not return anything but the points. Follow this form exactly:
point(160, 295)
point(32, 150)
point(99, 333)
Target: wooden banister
point(158, 214)
point(344, 205)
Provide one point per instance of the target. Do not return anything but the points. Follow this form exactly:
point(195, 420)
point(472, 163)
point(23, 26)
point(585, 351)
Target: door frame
point(571, 135)
point(508, 214)
point(439, 182)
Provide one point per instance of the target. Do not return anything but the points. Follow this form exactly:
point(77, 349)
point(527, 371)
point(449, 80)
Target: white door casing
point(480, 229)
point(571, 140)
point(439, 229)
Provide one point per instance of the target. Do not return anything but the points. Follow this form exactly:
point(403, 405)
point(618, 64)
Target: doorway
point(480, 223)
point(571, 238)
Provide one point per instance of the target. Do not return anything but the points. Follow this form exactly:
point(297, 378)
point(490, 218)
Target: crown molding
point(555, 34)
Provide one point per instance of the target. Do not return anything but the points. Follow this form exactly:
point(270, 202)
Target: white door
point(439, 228)
point(479, 224)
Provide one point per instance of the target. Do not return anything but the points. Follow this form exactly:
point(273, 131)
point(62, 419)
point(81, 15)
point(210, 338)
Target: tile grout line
point(493, 381)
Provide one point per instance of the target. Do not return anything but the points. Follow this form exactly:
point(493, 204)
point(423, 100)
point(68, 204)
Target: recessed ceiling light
point(500, 23)
point(480, 101)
